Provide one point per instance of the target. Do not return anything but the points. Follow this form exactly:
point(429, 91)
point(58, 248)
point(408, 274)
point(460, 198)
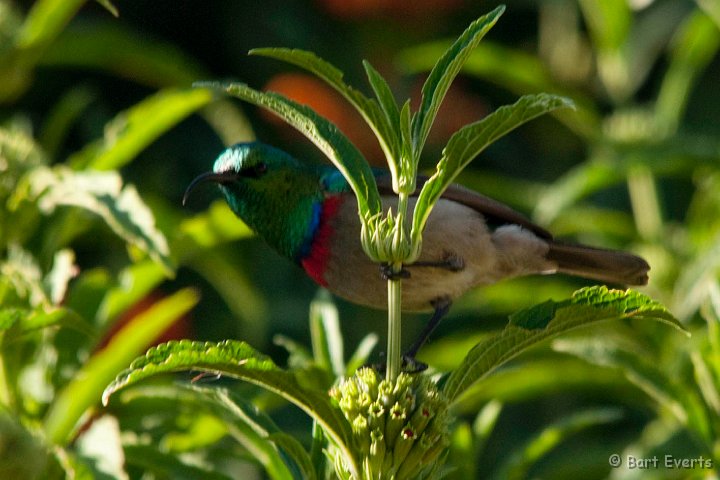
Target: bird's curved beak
point(215, 177)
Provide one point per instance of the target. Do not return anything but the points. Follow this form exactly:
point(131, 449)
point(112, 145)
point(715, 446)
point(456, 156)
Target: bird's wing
point(495, 213)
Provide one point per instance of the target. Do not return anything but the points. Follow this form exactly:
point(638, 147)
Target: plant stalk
point(400, 244)
point(394, 359)
point(6, 397)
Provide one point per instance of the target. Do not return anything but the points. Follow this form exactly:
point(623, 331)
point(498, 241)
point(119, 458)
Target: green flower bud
point(395, 422)
point(400, 429)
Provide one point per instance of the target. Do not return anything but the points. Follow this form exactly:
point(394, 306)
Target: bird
point(308, 214)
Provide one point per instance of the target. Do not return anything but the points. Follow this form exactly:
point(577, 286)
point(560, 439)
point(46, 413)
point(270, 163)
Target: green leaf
point(324, 134)
point(63, 270)
point(518, 464)
point(541, 375)
point(167, 465)
point(385, 98)
point(85, 390)
point(511, 69)
point(294, 449)
point(215, 226)
point(24, 456)
point(531, 326)
point(239, 360)
point(22, 276)
point(45, 21)
point(109, 7)
point(712, 9)
point(369, 109)
point(643, 370)
point(327, 341)
point(444, 72)
point(469, 141)
point(609, 22)
point(136, 281)
point(121, 51)
point(255, 431)
point(26, 321)
point(102, 193)
point(696, 43)
point(133, 130)
point(361, 354)
point(59, 120)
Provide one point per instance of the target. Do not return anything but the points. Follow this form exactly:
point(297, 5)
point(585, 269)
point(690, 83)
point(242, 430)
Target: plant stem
point(644, 201)
point(6, 397)
point(394, 326)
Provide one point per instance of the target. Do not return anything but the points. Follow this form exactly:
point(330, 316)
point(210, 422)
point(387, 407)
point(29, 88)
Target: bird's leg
point(441, 306)
point(449, 262)
point(387, 273)
point(409, 363)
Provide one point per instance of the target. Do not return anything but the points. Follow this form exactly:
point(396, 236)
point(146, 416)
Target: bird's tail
point(611, 266)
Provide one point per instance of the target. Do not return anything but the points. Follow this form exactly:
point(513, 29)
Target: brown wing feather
point(590, 262)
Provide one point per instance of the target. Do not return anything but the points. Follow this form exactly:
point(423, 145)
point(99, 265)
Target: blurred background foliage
point(100, 133)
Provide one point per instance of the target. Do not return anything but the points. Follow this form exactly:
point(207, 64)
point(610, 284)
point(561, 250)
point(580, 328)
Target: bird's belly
point(453, 231)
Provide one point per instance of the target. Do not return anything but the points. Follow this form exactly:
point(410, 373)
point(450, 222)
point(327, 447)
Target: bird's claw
point(453, 262)
point(409, 365)
point(387, 273)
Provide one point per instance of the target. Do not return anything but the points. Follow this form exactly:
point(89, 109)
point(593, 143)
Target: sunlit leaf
point(136, 281)
point(238, 360)
point(22, 274)
point(45, 21)
point(101, 446)
point(27, 321)
point(444, 72)
point(712, 9)
point(361, 354)
point(529, 327)
point(325, 334)
point(218, 224)
point(102, 193)
point(609, 22)
point(18, 153)
point(63, 270)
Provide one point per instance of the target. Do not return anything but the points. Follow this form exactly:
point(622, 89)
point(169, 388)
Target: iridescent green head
point(269, 190)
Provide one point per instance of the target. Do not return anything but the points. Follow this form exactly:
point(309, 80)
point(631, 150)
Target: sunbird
point(308, 213)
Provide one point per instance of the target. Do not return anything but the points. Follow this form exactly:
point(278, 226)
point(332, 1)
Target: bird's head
point(267, 188)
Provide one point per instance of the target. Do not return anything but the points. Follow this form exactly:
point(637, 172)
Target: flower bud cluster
point(400, 431)
point(385, 239)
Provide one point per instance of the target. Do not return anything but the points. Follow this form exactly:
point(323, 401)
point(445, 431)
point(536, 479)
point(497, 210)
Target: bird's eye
point(260, 168)
point(254, 171)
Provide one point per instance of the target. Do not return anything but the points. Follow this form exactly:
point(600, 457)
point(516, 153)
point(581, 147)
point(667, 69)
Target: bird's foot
point(409, 365)
point(450, 261)
point(387, 273)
